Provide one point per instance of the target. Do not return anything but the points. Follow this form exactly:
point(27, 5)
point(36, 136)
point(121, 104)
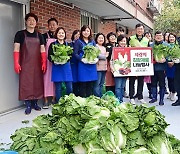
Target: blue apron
point(86, 72)
point(61, 73)
point(74, 66)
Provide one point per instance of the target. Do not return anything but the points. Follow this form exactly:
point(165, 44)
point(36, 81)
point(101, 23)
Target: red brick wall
point(106, 27)
point(67, 17)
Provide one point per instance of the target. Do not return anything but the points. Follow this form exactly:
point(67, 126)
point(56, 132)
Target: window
point(84, 20)
point(94, 25)
point(91, 20)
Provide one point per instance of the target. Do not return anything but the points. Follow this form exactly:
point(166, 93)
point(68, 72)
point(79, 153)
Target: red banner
point(132, 61)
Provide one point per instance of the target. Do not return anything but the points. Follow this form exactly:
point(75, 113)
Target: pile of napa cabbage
point(96, 126)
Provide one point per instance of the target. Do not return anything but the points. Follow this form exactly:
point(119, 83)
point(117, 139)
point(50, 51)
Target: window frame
point(93, 21)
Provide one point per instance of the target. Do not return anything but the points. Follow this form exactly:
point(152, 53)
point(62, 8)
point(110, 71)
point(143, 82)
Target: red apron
point(109, 76)
point(31, 76)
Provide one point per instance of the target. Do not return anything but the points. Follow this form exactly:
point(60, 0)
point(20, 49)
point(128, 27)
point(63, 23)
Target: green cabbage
point(160, 52)
point(160, 144)
point(137, 150)
point(61, 53)
point(90, 53)
point(174, 52)
point(151, 121)
point(96, 126)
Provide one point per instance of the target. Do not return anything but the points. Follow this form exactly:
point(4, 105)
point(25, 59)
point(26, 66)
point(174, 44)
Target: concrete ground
point(9, 122)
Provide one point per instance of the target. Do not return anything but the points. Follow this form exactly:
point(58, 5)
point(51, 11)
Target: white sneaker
point(125, 94)
point(142, 101)
point(132, 101)
point(172, 97)
point(169, 96)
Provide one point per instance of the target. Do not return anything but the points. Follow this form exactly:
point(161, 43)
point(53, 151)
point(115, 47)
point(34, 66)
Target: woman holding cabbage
point(86, 54)
point(171, 68)
point(59, 55)
point(173, 71)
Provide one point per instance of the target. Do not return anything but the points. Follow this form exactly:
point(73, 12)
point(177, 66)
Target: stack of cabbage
point(96, 126)
point(61, 53)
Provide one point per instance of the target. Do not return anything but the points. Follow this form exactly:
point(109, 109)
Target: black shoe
point(36, 107)
point(54, 102)
point(153, 100)
point(161, 102)
point(45, 106)
point(28, 107)
point(125, 95)
point(177, 103)
point(28, 110)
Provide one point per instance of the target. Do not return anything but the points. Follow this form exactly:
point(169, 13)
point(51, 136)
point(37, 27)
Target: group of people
point(40, 77)
point(164, 69)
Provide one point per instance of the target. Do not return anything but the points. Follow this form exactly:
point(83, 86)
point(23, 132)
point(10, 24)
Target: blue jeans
point(120, 83)
point(98, 85)
point(58, 91)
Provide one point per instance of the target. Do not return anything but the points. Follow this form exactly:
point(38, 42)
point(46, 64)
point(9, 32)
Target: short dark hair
point(97, 35)
point(57, 30)
point(52, 19)
point(31, 15)
point(173, 35)
point(74, 33)
point(147, 33)
point(158, 32)
point(120, 37)
point(120, 29)
point(165, 34)
point(139, 25)
point(110, 34)
point(83, 28)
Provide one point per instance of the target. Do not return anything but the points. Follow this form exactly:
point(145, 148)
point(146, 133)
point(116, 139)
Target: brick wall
point(67, 17)
point(106, 27)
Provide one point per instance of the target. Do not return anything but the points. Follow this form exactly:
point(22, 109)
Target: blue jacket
point(160, 66)
point(86, 72)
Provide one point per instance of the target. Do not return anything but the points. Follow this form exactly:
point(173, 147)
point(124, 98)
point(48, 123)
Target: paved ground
point(12, 121)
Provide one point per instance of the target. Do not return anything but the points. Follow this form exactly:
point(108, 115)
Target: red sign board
point(132, 61)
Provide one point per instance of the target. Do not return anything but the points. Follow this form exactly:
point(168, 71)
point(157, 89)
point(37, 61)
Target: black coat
point(177, 79)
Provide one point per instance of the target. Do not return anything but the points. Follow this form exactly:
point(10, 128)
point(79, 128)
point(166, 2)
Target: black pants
point(86, 88)
point(171, 85)
point(159, 77)
point(177, 80)
point(149, 87)
point(140, 84)
point(76, 88)
point(110, 88)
